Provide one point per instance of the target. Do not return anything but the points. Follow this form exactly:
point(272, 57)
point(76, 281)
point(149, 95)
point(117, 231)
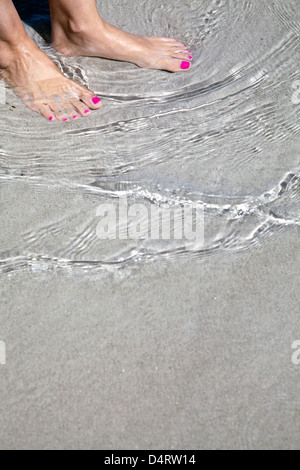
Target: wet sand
point(167, 358)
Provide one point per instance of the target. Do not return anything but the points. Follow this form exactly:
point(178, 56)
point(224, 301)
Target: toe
point(91, 100)
point(81, 108)
point(180, 46)
point(185, 56)
point(73, 114)
point(70, 110)
point(47, 112)
point(88, 97)
point(64, 109)
point(62, 116)
point(177, 65)
point(61, 113)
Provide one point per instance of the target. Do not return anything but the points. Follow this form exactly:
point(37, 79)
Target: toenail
point(51, 118)
point(96, 100)
point(190, 57)
point(87, 111)
point(75, 117)
point(66, 119)
point(185, 65)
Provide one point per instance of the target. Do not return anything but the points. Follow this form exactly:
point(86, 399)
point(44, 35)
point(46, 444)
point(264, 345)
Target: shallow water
point(223, 137)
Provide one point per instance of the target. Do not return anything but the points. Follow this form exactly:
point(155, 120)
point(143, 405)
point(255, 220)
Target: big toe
point(177, 65)
point(91, 100)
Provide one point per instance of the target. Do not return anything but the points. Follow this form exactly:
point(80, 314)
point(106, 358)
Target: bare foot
point(100, 39)
point(41, 86)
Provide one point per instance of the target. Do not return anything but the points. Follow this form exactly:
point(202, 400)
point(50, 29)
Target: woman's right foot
point(40, 84)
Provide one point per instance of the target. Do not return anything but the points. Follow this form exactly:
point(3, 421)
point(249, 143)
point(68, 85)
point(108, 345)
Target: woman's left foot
point(100, 39)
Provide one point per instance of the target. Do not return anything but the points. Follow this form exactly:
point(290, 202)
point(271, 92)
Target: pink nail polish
point(96, 100)
point(87, 111)
point(190, 57)
point(51, 118)
point(66, 119)
point(75, 117)
point(185, 65)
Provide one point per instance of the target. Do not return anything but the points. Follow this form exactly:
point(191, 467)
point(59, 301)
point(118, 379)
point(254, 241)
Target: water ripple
point(224, 137)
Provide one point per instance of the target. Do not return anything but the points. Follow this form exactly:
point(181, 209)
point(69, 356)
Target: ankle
point(70, 28)
point(10, 52)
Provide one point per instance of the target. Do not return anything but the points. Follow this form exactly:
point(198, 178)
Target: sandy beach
point(157, 345)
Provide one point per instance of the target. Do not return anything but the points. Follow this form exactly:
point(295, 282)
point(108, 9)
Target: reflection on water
point(224, 136)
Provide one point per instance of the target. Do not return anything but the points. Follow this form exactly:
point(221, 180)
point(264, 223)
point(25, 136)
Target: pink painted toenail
point(87, 111)
point(96, 100)
point(51, 118)
point(75, 117)
point(66, 119)
point(185, 65)
point(190, 57)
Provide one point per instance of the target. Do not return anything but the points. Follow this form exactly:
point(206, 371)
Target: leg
point(34, 77)
point(78, 30)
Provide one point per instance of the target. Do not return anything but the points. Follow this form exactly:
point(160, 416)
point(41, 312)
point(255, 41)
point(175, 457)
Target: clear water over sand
point(223, 136)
